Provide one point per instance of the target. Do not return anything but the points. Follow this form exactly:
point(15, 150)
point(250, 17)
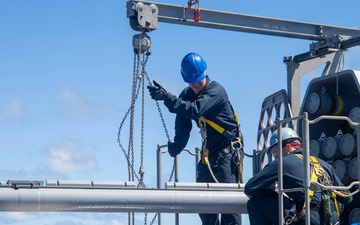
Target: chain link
point(133, 99)
point(142, 170)
point(139, 75)
point(153, 220)
point(160, 113)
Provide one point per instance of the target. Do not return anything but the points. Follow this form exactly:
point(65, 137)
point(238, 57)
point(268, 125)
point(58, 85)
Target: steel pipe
point(122, 200)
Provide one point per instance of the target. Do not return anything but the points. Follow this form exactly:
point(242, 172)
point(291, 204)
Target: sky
point(66, 70)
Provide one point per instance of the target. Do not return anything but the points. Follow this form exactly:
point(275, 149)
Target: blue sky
point(65, 85)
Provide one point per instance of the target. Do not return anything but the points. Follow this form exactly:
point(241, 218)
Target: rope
point(337, 190)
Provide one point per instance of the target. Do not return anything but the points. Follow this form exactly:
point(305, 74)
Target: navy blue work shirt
point(293, 177)
point(213, 104)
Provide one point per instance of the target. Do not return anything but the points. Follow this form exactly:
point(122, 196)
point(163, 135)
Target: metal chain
point(166, 133)
point(142, 169)
point(134, 97)
point(153, 220)
point(172, 171)
point(132, 114)
point(138, 83)
point(160, 113)
point(135, 79)
point(164, 125)
point(136, 86)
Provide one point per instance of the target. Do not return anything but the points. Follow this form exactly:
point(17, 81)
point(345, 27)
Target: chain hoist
point(141, 45)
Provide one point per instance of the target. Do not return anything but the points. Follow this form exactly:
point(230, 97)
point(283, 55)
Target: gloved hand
point(174, 149)
point(157, 92)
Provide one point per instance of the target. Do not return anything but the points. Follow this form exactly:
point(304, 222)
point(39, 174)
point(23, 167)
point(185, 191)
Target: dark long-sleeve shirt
point(293, 177)
point(213, 104)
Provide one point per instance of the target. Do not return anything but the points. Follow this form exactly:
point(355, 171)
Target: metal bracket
point(328, 44)
point(143, 17)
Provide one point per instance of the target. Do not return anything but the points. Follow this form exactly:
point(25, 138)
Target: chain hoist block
point(141, 42)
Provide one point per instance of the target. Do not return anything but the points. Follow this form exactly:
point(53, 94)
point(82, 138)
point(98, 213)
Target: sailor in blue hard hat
point(206, 102)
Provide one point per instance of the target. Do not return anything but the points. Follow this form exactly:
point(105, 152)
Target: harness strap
point(222, 130)
point(316, 172)
point(218, 128)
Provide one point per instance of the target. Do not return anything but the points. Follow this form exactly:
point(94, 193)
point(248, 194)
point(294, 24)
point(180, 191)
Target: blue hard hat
point(193, 68)
point(286, 134)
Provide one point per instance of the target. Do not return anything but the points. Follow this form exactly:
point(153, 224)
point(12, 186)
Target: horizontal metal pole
point(246, 23)
point(204, 186)
point(122, 200)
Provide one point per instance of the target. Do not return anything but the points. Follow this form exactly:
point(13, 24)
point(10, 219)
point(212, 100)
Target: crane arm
point(184, 15)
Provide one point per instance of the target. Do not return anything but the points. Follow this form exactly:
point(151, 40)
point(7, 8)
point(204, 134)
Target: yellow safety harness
point(318, 174)
point(220, 129)
point(236, 144)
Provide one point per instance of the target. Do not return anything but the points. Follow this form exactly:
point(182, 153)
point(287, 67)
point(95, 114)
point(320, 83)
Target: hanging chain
point(160, 113)
point(139, 75)
point(164, 125)
point(153, 220)
point(142, 169)
point(132, 112)
point(133, 99)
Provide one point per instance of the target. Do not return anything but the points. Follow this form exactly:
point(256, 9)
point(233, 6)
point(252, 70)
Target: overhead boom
point(184, 15)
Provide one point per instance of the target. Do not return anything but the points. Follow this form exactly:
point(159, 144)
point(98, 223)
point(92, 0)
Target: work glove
point(157, 92)
point(174, 149)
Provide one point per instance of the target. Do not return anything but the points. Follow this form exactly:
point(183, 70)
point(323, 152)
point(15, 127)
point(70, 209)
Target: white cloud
point(71, 156)
point(12, 110)
point(44, 172)
point(76, 106)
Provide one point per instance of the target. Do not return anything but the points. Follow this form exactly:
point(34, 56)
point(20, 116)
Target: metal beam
point(243, 23)
point(122, 200)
